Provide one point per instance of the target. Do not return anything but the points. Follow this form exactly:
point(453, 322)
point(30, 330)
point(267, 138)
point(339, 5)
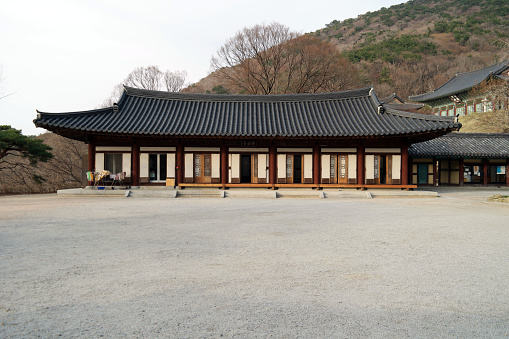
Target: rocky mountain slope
point(414, 47)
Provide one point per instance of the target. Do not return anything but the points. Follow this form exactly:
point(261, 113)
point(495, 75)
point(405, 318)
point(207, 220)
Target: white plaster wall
point(248, 150)
point(235, 166)
point(158, 149)
point(262, 166)
point(339, 150)
point(229, 167)
point(99, 162)
point(352, 166)
point(170, 165)
point(112, 149)
point(308, 166)
point(144, 165)
point(295, 150)
point(383, 150)
point(126, 164)
point(188, 164)
point(202, 149)
point(281, 166)
point(325, 166)
point(216, 165)
point(370, 167)
point(396, 167)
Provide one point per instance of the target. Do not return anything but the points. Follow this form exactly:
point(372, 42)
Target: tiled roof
point(470, 145)
point(341, 114)
point(462, 82)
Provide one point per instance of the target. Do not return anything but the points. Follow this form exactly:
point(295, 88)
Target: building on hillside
point(461, 159)
point(459, 96)
point(303, 140)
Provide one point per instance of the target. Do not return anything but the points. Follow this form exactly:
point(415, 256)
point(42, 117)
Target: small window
point(113, 162)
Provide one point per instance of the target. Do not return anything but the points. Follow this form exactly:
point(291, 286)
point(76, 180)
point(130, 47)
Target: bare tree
point(114, 96)
point(152, 78)
point(2, 88)
point(256, 56)
point(315, 66)
point(174, 81)
point(270, 59)
point(149, 77)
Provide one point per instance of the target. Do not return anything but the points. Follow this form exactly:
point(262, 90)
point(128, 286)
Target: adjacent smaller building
point(461, 159)
point(459, 96)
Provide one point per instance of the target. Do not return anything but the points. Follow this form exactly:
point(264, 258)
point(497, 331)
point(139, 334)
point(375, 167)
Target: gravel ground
point(291, 268)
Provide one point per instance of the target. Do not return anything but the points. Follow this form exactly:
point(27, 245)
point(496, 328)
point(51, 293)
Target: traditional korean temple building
point(344, 139)
point(461, 159)
point(459, 96)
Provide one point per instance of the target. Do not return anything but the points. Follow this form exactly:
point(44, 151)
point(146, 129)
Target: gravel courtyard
point(285, 268)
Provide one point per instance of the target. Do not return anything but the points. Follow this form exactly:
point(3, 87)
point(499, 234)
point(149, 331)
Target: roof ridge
point(420, 116)
point(354, 93)
point(92, 111)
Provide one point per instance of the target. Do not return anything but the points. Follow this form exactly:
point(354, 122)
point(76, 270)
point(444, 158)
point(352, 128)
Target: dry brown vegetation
point(409, 48)
point(64, 170)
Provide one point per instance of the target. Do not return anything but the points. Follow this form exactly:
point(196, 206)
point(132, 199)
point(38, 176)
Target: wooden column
point(485, 174)
point(180, 164)
point(272, 165)
point(91, 160)
point(462, 171)
point(507, 173)
point(404, 165)
point(224, 165)
point(316, 165)
point(135, 155)
point(435, 165)
point(360, 165)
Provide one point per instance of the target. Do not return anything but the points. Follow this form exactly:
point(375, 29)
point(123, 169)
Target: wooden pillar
point(180, 164)
point(435, 165)
point(316, 165)
point(135, 155)
point(360, 165)
point(507, 173)
point(411, 172)
point(224, 165)
point(272, 165)
point(404, 165)
point(91, 160)
point(485, 174)
point(462, 171)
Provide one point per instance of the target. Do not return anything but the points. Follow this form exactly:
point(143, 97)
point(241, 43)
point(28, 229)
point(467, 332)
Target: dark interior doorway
point(245, 168)
point(383, 169)
point(297, 169)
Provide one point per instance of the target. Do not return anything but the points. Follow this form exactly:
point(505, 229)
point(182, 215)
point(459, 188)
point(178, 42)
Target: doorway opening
point(245, 168)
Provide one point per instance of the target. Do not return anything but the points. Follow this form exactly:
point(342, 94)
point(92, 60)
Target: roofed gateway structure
point(303, 140)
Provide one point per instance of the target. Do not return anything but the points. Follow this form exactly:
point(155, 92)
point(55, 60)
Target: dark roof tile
point(469, 145)
point(341, 114)
point(462, 82)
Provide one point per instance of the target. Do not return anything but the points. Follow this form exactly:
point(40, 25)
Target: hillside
point(416, 46)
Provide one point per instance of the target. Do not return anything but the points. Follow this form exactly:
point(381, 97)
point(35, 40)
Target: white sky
point(67, 55)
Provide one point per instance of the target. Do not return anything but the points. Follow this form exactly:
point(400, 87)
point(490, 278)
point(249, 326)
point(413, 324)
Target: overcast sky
point(67, 55)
